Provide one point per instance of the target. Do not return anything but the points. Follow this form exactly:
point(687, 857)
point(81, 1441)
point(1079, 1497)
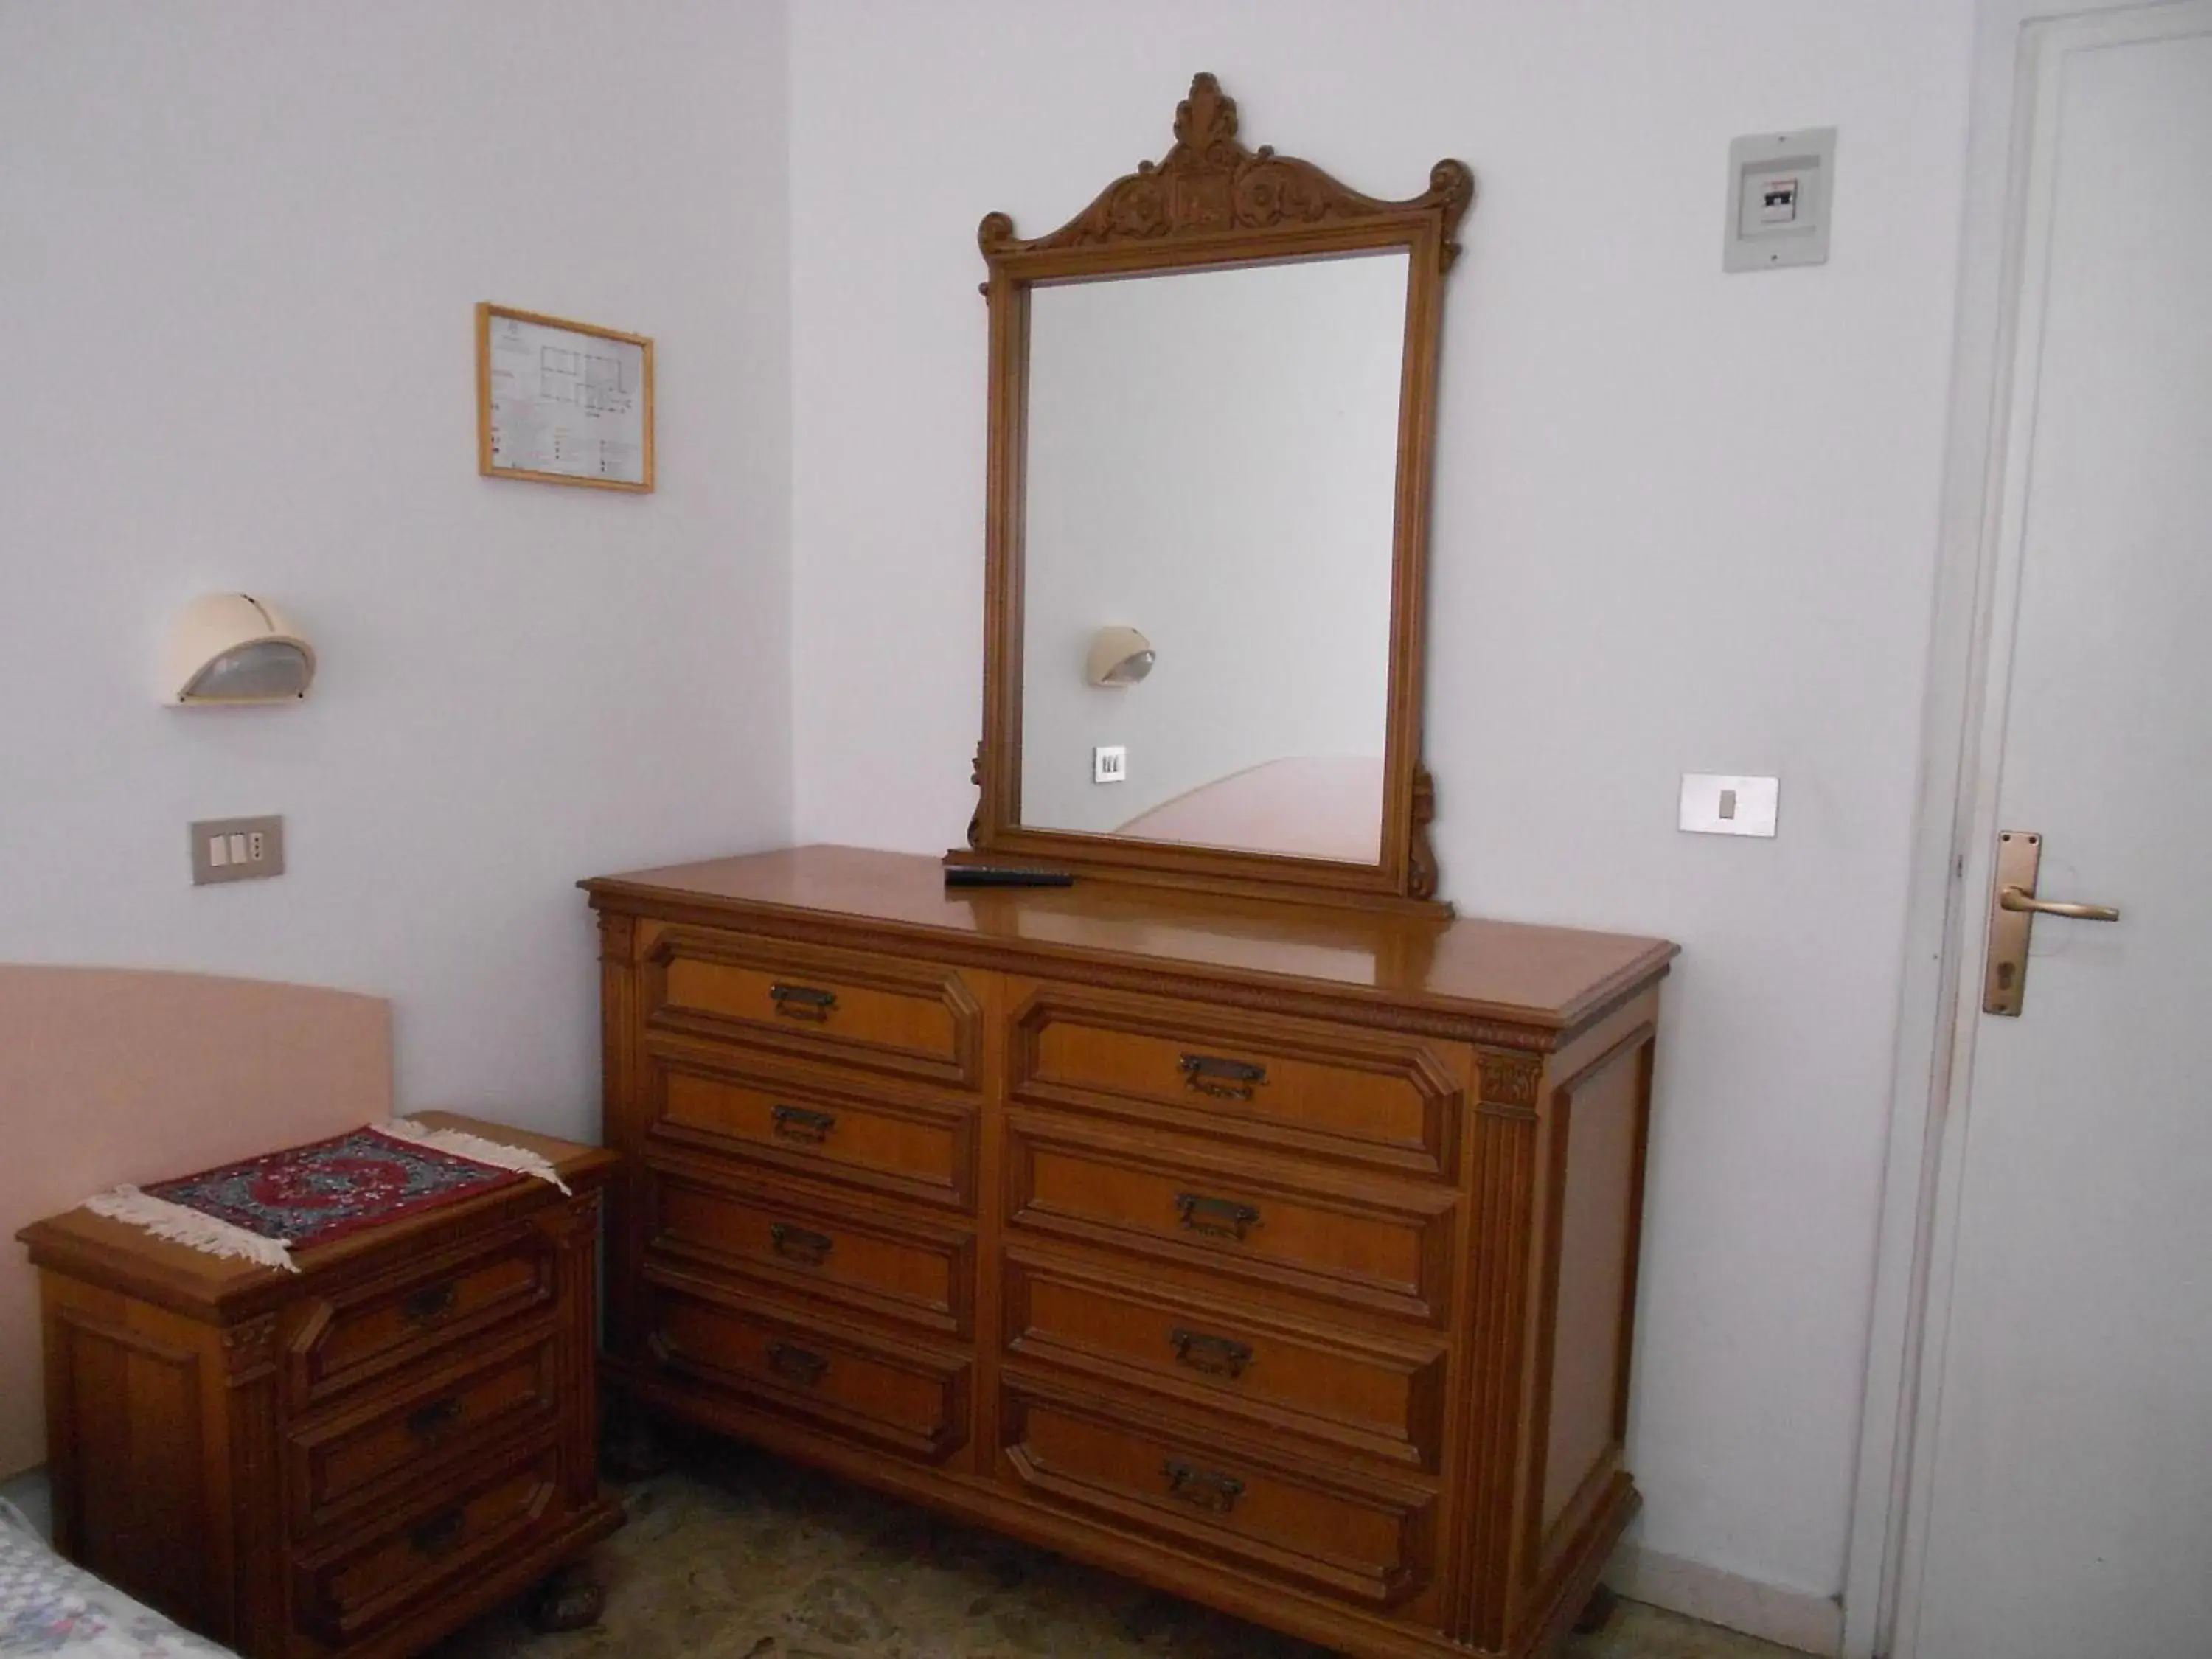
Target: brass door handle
point(2013, 910)
point(2019, 899)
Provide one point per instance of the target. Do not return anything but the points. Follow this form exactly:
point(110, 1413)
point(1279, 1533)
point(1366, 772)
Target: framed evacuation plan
point(562, 403)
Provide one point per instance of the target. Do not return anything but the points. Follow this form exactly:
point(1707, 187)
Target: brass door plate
point(2004, 984)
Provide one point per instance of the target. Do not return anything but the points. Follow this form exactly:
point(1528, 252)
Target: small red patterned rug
point(314, 1194)
point(265, 1207)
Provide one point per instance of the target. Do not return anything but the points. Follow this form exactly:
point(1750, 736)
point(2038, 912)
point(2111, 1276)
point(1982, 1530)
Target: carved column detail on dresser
point(1233, 1244)
point(619, 1029)
point(1500, 1192)
point(1510, 1082)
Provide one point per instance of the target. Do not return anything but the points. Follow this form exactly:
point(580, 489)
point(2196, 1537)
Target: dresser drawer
point(812, 1247)
point(885, 1014)
point(1369, 1244)
point(366, 1329)
point(344, 1593)
point(1338, 1090)
point(911, 1148)
point(1367, 1539)
point(1343, 1389)
point(341, 1459)
point(900, 1397)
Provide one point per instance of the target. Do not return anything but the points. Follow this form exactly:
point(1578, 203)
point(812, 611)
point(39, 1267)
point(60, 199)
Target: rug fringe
point(180, 1225)
point(461, 1144)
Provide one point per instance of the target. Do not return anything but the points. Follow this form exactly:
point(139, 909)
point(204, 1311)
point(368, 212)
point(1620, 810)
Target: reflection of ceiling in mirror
point(1211, 459)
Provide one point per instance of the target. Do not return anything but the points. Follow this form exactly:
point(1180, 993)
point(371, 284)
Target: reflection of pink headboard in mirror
point(1316, 806)
point(110, 1075)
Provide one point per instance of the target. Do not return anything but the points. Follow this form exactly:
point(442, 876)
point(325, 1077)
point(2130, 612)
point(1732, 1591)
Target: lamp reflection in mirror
point(232, 649)
point(1119, 656)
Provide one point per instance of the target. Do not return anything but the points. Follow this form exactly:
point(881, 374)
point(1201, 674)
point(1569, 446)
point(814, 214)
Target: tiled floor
point(741, 1557)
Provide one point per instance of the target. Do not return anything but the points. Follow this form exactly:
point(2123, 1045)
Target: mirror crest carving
point(1264, 236)
point(1210, 184)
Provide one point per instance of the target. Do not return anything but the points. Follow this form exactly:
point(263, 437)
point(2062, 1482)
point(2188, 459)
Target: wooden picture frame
point(599, 386)
point(1213, 202)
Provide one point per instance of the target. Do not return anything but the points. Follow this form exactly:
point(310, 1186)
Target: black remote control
point(994, 875)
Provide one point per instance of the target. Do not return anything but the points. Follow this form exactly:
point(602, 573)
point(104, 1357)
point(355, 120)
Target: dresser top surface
point(1546, 976)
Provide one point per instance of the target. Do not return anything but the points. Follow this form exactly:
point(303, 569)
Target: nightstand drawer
point(341, 1594)
point(900, 1397)
point(349, 1458)
point(366, 1329)
point(885, 1014)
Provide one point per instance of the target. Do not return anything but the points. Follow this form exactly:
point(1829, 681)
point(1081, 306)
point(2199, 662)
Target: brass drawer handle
point(435, 1538)
point(429, 1306)
point(1205, 1489)
point(803, 1123)
point(801, 1365)
point(803, 1002)
point(1217, 1356)
point(1217, 1218)
point(430, 1421)
point(798, 1244)
point(1231, 1079)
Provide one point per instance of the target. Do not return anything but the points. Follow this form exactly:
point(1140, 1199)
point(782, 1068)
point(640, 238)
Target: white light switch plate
point(1109, 763)
point(1713, 803)
point(236, 849)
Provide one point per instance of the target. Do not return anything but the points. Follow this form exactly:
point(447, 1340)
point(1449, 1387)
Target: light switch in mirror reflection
point(1212, 457)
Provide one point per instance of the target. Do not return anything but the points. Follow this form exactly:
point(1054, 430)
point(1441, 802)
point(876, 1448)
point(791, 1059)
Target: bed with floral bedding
point(49, 1607)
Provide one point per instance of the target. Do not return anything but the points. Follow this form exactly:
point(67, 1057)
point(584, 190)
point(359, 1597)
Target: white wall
point(1683, 521)
point(1213, 458)
point(240, 248)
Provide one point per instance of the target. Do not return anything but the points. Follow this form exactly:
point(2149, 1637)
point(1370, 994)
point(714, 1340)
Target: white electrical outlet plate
point(1110, 764)
point(1780, 184)
point(1718, 804)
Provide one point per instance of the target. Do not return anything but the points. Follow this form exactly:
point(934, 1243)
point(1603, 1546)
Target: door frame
point(2018, 46)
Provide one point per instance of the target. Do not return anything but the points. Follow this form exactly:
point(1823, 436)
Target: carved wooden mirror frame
point(1213, 202)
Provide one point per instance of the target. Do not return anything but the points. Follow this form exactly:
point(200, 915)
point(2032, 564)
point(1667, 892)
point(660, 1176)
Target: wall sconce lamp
point(1119, 656)
point(234, 648)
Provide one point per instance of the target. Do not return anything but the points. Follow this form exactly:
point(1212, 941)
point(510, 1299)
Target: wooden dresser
point(353, 1460)
point(1279, 1255)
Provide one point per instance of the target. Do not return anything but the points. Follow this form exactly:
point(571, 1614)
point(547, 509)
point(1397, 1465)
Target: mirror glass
point(1211, 462)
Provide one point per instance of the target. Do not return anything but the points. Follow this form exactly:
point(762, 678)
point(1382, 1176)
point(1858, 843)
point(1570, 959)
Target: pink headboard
point(110, 1075)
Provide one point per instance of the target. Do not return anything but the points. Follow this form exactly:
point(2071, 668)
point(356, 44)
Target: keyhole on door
point(2006, 972)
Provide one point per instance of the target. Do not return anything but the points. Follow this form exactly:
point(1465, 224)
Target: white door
point(2063, 1500)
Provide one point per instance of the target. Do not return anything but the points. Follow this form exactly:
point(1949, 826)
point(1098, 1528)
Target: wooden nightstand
point(352, 1460)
